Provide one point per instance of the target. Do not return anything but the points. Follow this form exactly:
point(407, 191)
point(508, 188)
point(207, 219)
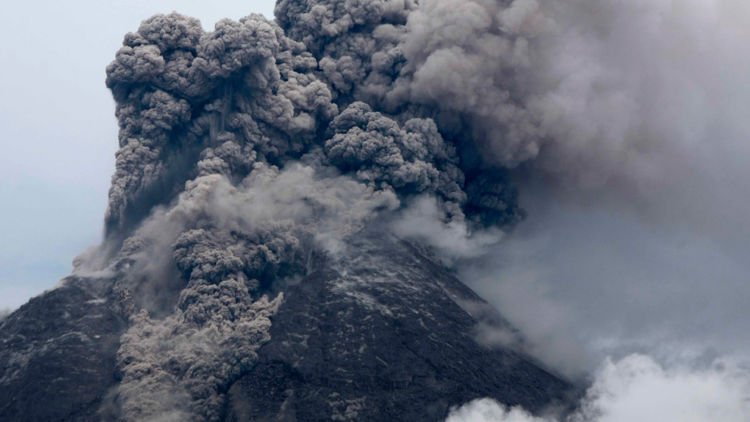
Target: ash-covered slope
point(57, 355)
point(383, 333)
point(380, 332)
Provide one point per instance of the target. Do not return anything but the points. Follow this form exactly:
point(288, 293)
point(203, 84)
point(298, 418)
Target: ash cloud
point(246, 149)
point(636, 202)
point(180, 91)
point(228, 243)
point(238, 161)
point(422, 220)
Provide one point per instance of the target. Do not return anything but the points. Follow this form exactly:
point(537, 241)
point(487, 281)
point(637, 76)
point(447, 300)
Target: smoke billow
point(239, 160)
point(228, 242)
point(246, 150)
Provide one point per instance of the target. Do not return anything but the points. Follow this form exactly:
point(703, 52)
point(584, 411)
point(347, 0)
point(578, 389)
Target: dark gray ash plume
point(243, 151)
point(408, 159)
point(248, 148)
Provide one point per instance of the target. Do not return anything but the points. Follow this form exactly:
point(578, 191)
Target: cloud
point(637, 388)
point(488, 410)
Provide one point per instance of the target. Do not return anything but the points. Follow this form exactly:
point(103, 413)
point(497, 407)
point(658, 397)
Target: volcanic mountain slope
point(240, 276)
point(379, 332)
point(58, 355)
point(383, 335)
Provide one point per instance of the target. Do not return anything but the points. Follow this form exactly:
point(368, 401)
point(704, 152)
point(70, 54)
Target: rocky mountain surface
point(380, 332)
point(57, 355)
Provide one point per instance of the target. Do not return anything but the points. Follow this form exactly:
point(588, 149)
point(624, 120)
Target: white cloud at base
point(488, 410)
point(637, 388)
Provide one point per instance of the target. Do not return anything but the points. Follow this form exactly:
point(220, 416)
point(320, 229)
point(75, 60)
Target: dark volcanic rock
point(57, 356)
point(382, 334)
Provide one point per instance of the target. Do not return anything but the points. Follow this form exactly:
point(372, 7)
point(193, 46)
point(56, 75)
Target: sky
point(58, 130)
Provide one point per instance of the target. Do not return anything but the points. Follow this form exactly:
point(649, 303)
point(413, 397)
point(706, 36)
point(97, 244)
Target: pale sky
point(58, 132)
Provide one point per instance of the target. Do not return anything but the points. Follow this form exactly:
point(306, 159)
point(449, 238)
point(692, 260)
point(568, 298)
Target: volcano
point(382, 332)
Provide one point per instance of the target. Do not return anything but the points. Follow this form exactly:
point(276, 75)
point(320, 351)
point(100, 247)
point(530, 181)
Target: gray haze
point(636, 237)
point(639, 242)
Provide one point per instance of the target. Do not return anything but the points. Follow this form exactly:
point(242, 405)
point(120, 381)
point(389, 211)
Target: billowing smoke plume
point(244, 152)
point(228, 243)
point(247, 150)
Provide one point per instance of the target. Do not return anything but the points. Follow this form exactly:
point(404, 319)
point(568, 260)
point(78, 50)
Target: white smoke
point(423, 220)
point(488, 410)
point(637, 388)
point(227, 239)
